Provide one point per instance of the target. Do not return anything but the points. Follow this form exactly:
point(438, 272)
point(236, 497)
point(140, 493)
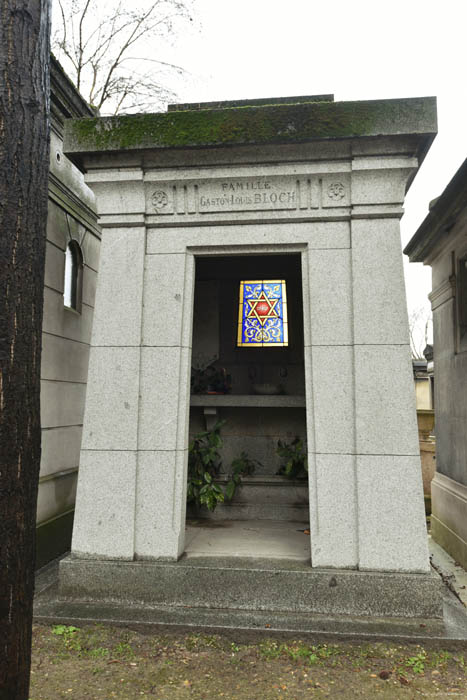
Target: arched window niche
point(73, 279)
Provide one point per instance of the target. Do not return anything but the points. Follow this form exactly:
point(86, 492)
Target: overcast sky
point(357, 50)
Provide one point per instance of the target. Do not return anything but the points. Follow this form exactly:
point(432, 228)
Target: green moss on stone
point(251, 125)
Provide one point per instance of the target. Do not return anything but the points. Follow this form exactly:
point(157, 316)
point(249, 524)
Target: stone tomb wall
point(340, 215)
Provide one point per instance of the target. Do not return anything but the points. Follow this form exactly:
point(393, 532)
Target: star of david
point(262, 308)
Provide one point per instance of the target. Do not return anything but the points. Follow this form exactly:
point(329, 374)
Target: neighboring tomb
point(72, 254)
point(441, 241)
point(229, 214)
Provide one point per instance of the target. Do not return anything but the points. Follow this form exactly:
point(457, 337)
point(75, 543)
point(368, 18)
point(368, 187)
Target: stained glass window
point(262, 314)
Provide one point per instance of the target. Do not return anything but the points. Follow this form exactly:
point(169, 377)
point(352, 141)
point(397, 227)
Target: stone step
point(269, 489)
point(261, 498)
point(252, 511)
point(251, 584)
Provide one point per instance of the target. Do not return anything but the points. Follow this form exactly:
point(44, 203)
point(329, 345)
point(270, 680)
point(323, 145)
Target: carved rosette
point(336, 191)
point(159, 200)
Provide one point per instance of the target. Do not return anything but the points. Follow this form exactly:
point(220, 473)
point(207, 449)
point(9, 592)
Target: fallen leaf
point(403, 680)
point(384, 675)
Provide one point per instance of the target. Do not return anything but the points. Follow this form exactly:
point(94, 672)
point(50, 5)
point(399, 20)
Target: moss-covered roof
point(258, 102)
point(270, 124)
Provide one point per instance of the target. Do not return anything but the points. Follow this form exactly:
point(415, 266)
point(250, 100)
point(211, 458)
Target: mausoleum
point(259, 241)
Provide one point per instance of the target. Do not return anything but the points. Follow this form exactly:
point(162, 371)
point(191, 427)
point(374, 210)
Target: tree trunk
point(24, 161)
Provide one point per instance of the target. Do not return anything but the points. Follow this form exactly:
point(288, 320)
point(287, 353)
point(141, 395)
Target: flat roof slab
point(252, 125)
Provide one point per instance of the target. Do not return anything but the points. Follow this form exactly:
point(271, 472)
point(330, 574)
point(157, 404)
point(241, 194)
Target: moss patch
point(251, 125)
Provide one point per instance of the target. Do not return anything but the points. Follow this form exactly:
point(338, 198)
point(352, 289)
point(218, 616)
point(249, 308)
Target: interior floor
point(258, 539)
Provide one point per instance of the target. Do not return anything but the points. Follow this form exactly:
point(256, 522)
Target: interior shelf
point(248, 400)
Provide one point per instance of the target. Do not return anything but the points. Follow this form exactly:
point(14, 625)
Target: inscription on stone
point(246, 195)
point(242, 194)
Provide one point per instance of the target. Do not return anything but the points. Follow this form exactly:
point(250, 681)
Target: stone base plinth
point(251, 584)
point(449, 516)
point(449, 540)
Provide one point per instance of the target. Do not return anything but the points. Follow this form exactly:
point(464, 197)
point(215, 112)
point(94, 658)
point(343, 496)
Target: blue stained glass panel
point(262, 314)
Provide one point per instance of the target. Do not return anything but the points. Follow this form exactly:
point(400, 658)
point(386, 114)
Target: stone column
point(330, 405)
point(164, 405)
point(132, 481)
point(105, 501)
point(389, 496)
point(104, 524)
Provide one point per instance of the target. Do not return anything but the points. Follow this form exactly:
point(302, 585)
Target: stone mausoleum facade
point(192, 203)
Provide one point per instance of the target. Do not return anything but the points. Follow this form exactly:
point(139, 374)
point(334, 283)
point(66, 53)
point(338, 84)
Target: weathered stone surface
point(111, 415)
point(63, 359)
point(120, 288)
point(316, 236)
point(157, 536)
point(379, 308)
point(59, 407)
point(253, 585)
point(391, 514)
point(449, 514)
point(167, 280)
point(61, 321)
point(252, 125)
point(60, 449)
point(90, 247)
point(54, 267)
point(56, 496)
point(164, 398)
point(386, 421)
point(105, 505)
point(333, 490)
point(333, 398)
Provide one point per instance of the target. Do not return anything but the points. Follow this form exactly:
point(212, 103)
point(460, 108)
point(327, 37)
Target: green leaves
point(242, 466)
point(295, 464)
point(230, 490)
point(204, 465)
point(64, 629)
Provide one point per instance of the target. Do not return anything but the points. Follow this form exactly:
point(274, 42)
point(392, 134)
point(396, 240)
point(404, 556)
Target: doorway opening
point(248, 387)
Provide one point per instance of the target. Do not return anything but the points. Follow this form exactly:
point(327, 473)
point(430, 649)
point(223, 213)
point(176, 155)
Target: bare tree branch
point(80, 45)
point(93, 41)
point(419, 323)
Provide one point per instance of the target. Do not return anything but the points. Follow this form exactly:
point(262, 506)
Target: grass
point(106, 662)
